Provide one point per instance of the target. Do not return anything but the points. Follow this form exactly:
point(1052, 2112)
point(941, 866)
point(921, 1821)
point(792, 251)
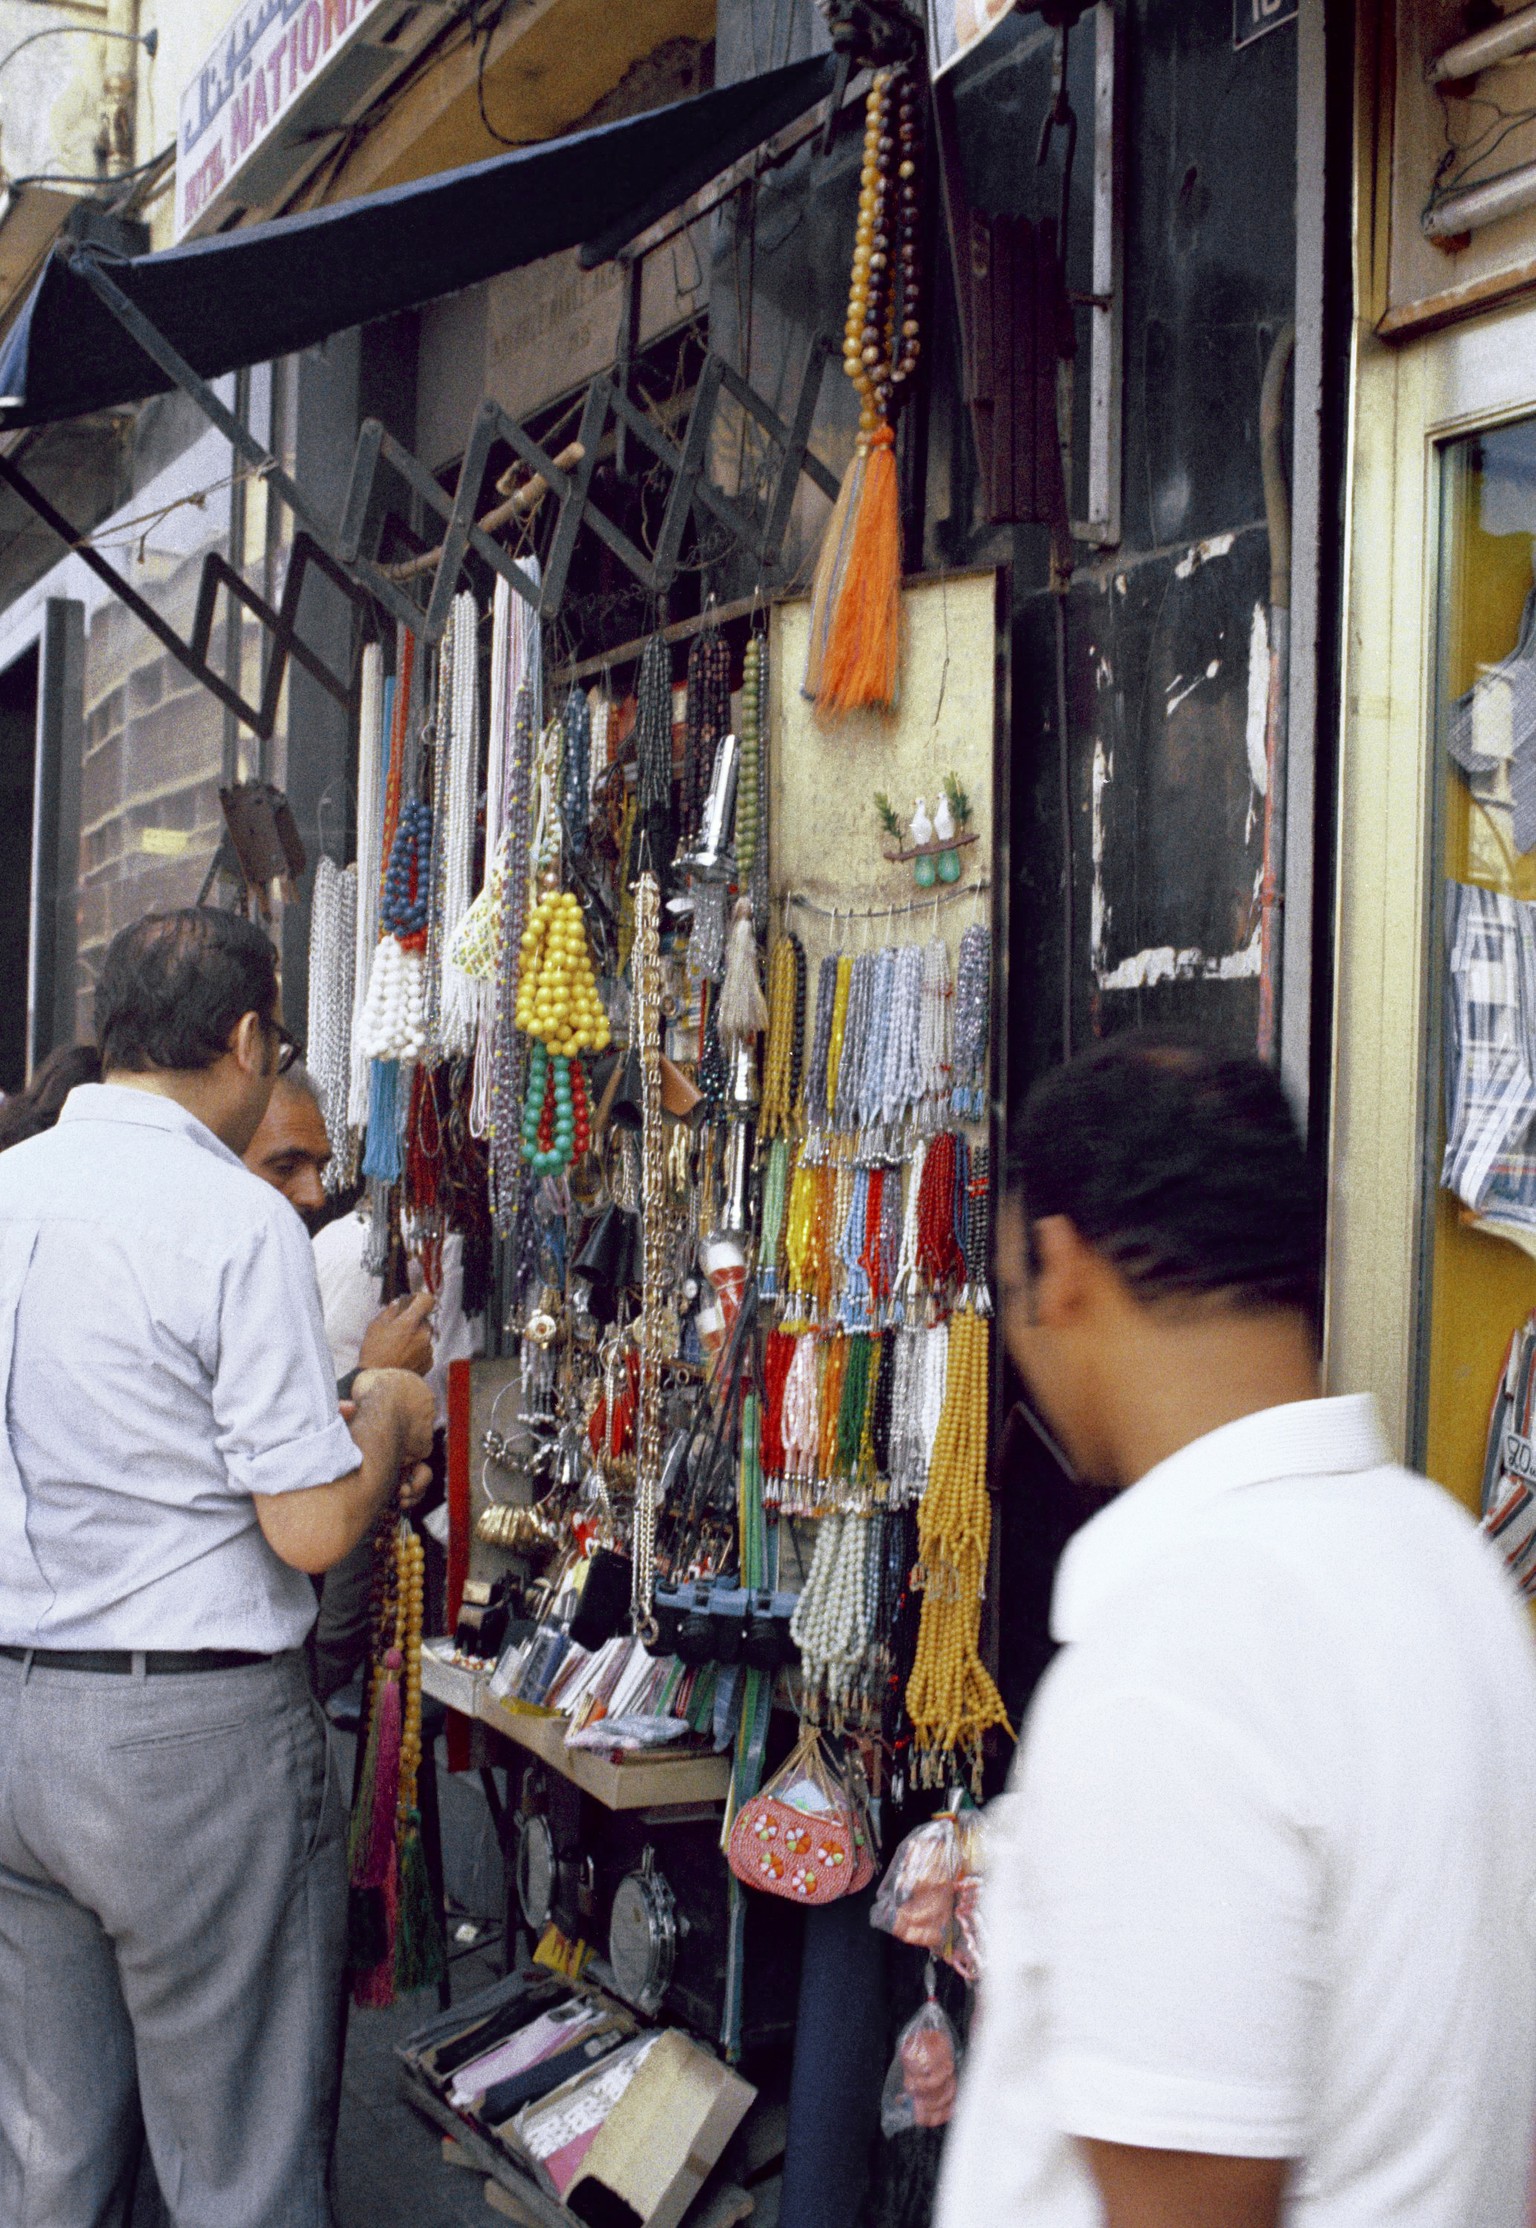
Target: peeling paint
point(1219, 545)
point(1258, 699)
point(1098, 932)
point(1189, 689)
point(1161, 963)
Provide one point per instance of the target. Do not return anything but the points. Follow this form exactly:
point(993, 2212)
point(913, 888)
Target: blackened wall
point(1164, 814)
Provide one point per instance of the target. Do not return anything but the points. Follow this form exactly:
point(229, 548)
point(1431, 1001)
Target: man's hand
point(398, 1337)
point(1184, 2189)
point(419, 1422)
point(391, 1422)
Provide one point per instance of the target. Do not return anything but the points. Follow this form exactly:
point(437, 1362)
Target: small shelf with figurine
point(931, 847)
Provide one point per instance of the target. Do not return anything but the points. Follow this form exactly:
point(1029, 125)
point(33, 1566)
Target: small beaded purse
point(804, 1836)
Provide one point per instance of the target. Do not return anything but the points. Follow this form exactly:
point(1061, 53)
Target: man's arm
point(1184, 2189)
point(313, 1528)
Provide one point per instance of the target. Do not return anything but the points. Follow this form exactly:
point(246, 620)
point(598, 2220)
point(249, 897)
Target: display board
point(826, 846)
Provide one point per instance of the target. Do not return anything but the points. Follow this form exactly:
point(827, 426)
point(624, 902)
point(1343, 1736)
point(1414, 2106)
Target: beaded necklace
point(576, 786)
point(801, 1426)
point(973, 1014)
point(871, 1110)
point(798, 1232)
point(706, 721)
point(332, 957)
point(855, 606)
point(901, 1084)
point(775, 1183)
point(645, 1025)
point(933, 1034)
point(458, 995)
point(778, 1354)
point(508, 1048)
point(786, 1035)
point(844, 1069)
point(844, 982)
point(951, 1698)
point(816, 1110)
point(653, 759)
point(749, 780)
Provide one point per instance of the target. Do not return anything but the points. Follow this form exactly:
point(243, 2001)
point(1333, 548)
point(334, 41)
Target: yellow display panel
point(1482, 1285)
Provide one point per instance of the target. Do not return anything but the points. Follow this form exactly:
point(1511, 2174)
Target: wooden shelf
point(616, 1778)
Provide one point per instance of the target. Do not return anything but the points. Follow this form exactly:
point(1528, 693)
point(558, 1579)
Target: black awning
point(245, 297)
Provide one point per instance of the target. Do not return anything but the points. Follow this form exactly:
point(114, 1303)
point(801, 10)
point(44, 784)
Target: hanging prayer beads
point(973, 1003)
point(951, 1698)
point(576, 783)
point(749, 781)
point(558, 1007)
point(854, 642)
point(706, 720)
point(332, 957)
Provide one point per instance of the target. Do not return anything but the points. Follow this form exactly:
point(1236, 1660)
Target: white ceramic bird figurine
point(943, 822)
point(922, 826)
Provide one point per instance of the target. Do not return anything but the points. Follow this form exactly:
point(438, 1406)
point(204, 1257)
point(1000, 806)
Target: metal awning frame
point(340, 555)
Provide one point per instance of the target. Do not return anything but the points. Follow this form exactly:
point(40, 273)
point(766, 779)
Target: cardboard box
point(666, 2131)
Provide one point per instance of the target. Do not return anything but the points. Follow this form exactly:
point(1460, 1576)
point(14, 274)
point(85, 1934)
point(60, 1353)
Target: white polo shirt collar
point(121, 1102)
point(1306, 1438)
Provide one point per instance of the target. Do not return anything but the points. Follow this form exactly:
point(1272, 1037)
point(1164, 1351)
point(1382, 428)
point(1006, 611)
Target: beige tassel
point(743, 1012)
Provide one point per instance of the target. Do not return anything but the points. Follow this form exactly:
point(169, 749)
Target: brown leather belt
point(119, 1662)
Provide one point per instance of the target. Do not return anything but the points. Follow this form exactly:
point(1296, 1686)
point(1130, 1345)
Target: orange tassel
point(860, 664)
point(831, 569)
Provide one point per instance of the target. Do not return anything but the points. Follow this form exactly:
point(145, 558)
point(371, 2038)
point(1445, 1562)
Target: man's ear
point(248, 1044)
point(1064, 1278)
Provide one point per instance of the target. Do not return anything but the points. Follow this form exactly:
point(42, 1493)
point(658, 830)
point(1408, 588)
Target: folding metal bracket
point(349, 556)
point(281, 626)
point(605, 403)
point(363, 516)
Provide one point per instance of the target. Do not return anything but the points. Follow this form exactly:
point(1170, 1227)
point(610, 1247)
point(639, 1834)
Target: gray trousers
point(172, 1930)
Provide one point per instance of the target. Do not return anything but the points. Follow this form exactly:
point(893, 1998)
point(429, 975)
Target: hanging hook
point(1060, 116)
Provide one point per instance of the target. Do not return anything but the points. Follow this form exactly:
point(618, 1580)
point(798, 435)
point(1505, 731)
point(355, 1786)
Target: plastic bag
point(931, 1888)
point(920, 2086)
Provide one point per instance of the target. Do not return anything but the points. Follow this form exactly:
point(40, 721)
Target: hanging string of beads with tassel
point(854, 653)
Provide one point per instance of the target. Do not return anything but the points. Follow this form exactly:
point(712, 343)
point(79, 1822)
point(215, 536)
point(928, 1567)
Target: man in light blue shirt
point(172, 1884)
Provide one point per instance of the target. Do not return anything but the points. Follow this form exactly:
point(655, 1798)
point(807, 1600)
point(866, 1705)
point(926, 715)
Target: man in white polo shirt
point(1260, 1914)
point(173, 1467)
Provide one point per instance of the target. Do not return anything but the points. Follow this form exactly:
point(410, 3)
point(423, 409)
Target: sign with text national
point(253, 94)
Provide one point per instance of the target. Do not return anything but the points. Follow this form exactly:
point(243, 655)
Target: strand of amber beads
point(951, 1698)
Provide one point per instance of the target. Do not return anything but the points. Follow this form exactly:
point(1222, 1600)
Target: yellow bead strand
point(557, 1001)
point(951, 1698)
point(775, 1112)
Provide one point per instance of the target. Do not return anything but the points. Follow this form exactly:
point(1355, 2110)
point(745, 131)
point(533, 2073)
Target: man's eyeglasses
point(287, 1046)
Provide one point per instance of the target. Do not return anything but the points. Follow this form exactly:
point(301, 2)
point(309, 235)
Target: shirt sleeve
point(1177, 1905)
point(274, 1393)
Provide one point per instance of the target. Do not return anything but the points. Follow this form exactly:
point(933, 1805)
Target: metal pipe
point(1501, 42)
point(1277, 518)
point(119, 89)
point(1469, 208)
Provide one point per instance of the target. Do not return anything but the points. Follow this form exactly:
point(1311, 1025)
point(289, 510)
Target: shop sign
point(266, 62)
point(1252, 18)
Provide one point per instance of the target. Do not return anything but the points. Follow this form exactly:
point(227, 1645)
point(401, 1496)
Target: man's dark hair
point(175, 984)
point(1179, 1162)
point(28, 1113)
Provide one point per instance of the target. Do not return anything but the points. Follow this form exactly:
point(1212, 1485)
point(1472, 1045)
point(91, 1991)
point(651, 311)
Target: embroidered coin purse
point(799, 1838)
